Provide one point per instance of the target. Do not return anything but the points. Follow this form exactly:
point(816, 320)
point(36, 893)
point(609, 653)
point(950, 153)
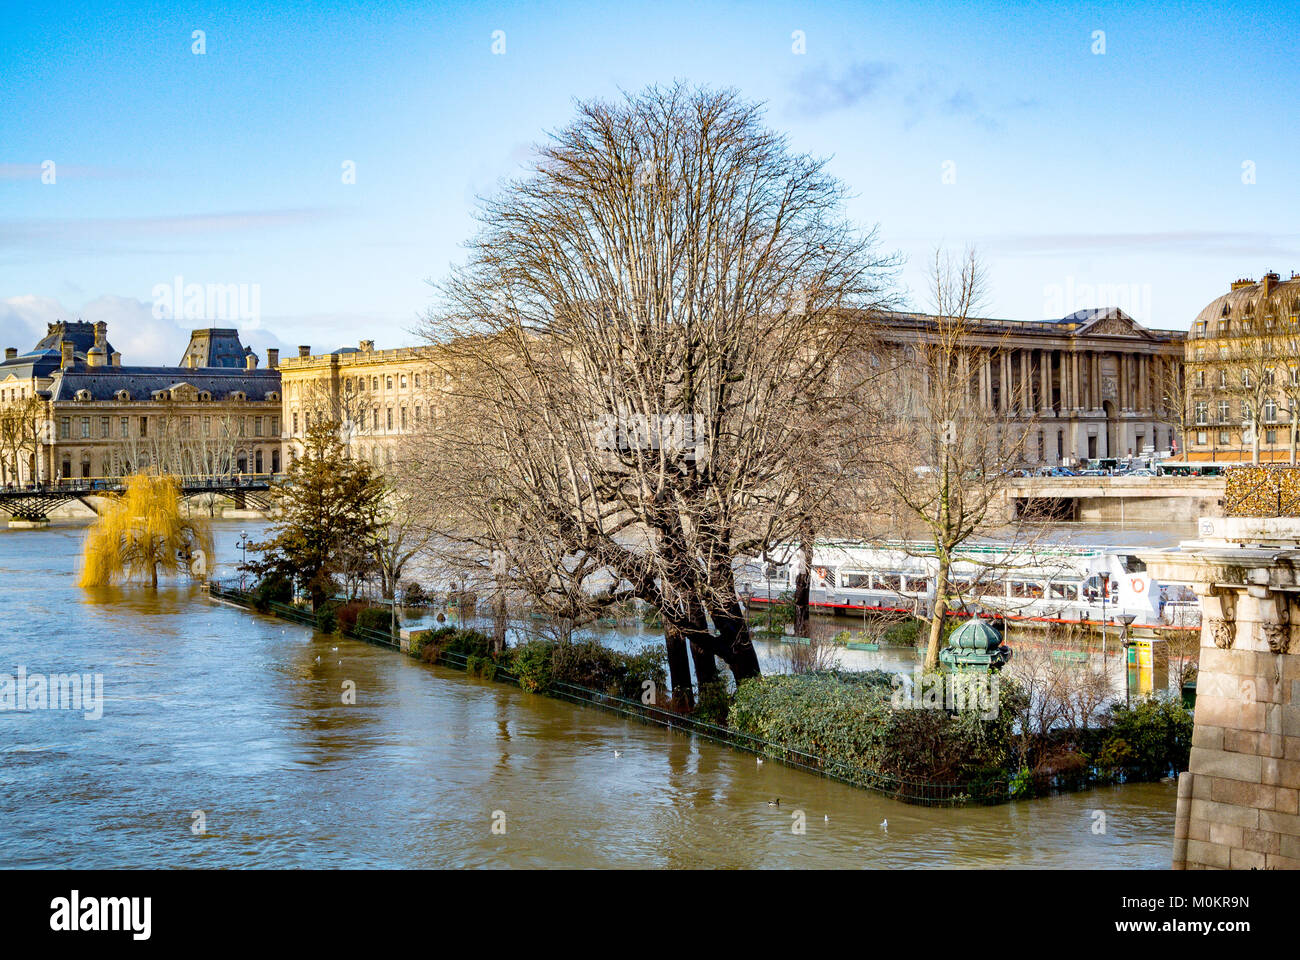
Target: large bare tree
point(641, 329)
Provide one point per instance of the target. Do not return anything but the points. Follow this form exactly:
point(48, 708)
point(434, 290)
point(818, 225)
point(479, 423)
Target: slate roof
point(80, 332)
point(142, 382)
point(1094, 313)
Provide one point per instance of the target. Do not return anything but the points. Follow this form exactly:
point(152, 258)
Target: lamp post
point(1126, 619)
point(746, 591)
point(243, 546)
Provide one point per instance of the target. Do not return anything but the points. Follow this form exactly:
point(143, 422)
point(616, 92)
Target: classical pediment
point(1111, 322)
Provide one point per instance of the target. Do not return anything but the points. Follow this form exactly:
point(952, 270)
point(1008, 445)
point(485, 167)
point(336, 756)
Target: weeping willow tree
point(141, 533)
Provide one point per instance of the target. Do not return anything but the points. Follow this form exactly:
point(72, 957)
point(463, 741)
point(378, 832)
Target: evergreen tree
point(327, 505)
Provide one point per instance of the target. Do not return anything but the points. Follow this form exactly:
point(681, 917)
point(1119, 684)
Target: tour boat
point(1066, 584)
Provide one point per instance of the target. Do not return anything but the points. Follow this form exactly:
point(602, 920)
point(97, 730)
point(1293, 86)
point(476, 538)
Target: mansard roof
point(142, 383)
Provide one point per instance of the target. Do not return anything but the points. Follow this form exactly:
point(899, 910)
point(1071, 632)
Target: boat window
point(1065, 591)
point(856, 581)
point(1026, 590)
point(915, 584)
point(889, 581)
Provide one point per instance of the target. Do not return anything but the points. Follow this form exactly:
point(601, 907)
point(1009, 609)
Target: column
point(1094, 358)
point(1026, 393)
point(1044, 380)
point(1004, 390)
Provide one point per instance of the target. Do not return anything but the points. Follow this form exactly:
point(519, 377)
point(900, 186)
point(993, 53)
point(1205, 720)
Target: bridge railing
point(224, 481)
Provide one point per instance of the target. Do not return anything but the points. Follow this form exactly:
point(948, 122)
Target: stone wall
point(1237, 804)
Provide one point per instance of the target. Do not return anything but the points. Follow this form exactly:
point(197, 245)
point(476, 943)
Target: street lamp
point(1126, 619)
point(243, 546)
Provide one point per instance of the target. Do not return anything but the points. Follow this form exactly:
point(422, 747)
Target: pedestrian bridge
point(32, 504)
point(1176, 499)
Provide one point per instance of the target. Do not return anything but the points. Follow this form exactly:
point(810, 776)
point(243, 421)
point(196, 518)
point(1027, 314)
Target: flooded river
point(217, 718)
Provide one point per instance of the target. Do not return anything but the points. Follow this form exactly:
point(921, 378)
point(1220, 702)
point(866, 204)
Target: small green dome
point(974, 635)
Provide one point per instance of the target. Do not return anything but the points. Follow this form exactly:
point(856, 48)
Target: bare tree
point(941, 478)
point(20, 432)
point(639, 328)
point(1174, 406)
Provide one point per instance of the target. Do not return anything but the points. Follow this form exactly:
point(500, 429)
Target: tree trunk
point(803, 586)
point(734, 644)
point(499, 624)
point(679, 666)
point(706, 664)
point(938, 616)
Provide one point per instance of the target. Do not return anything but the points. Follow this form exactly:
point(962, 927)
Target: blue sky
point(1084, 178)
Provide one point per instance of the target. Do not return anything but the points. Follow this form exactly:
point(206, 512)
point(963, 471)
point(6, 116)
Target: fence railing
point(995, 789)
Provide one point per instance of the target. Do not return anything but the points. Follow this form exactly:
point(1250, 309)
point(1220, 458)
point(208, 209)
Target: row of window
point(372, 422)
point(358, 384)
point(907, 583)
point(1245, 325)
point(1202, 411)
point(258, 426)
point(1269, 377)
point(118, 465)
point(1224, 438)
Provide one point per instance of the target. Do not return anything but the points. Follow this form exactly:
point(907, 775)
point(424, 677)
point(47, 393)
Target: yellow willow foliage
point(142, 532)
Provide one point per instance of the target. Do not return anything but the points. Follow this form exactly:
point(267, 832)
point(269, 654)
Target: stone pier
point(1237, 803)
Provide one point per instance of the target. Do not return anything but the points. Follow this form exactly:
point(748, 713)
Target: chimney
point(116, 358)
point(250, 361)
point(66, 349)
point(272, 357)
point(367, 346)
point(1242, 282)
point(1269, 281)
point(11, 353)
point(304, 351)
point(101, 332)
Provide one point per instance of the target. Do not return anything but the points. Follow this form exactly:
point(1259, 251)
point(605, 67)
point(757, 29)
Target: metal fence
point(995, 789)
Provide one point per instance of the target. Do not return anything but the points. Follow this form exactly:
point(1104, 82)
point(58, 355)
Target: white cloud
point(133, 330)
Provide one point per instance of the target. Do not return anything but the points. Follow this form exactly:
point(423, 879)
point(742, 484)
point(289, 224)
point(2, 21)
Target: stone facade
point(96, 418)
point(1091, 385)
point(376, 396)
point(1243, 373)
point(1237, 802)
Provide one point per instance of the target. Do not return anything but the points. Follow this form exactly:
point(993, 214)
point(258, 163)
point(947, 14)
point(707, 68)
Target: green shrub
point(851, 722)
point(531, 663)
point(378, 619)
point(484, 667)
point(327, 617)
point(713, 703)
point(1150, 739)
point(903, 634)
point(273, 589)
point(597, 667)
